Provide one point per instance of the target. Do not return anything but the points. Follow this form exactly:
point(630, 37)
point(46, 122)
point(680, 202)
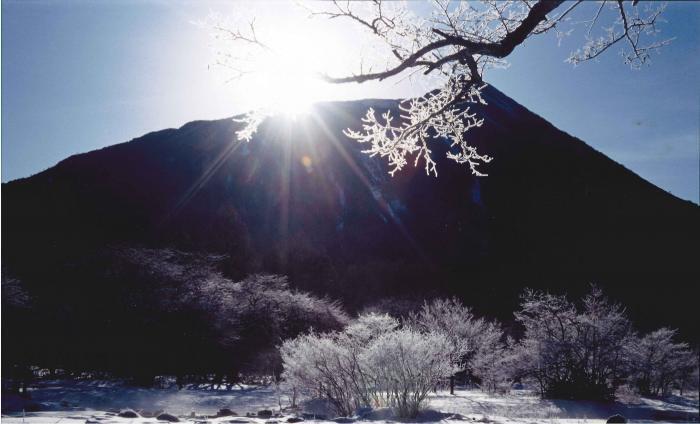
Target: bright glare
point(284, 78)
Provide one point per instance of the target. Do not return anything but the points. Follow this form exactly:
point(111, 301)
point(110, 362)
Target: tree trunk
point(452, 384)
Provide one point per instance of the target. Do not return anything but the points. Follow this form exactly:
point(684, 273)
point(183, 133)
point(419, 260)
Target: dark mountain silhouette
point(302, 200)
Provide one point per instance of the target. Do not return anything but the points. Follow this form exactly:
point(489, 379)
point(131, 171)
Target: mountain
point(301, 199)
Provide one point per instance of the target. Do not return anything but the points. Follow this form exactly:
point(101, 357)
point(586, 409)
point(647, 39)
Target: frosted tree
point(371, 363)
point(466, 334)
point(454, 44)
point(334, 367)
point(407, 364)
point(573, 353)
point(14, 295)
point(246, 319)
point(660, 364)
point(492, 361)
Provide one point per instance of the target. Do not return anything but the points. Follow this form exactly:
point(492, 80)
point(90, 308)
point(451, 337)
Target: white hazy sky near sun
point(301, 47)
point(79, 75)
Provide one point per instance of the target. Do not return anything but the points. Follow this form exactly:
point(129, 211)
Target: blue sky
point(79, 75)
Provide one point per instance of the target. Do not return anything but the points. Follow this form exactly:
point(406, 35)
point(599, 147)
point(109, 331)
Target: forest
point(183, 320)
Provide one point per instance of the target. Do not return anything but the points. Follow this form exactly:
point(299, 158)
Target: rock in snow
point(167, 417)
point(128, 413)
point(225, 412)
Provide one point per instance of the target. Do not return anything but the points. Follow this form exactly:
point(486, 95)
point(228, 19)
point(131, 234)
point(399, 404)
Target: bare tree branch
point(459, 40)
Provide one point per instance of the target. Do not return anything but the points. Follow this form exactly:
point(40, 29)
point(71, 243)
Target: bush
point(492, 362)
point(573, 354)
point(659, 364)
point(371, 363)
point(236, 323)
point(476, 345)
point(406, 365)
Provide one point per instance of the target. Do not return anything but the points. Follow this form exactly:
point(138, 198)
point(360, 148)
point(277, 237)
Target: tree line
point(163, 312)
point(140, 313)
point(572, 351)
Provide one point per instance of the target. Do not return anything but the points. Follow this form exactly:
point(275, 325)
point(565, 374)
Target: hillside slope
point(301, 199)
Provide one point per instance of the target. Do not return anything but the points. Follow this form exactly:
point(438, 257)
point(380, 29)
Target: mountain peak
point(301, 199)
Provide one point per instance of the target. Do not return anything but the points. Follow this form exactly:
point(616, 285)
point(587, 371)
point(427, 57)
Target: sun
point(277, 63)
point(287, 92)
point(277, 55)
point(286, 78)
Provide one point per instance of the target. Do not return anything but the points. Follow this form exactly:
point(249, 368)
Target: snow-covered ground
point(98, 401)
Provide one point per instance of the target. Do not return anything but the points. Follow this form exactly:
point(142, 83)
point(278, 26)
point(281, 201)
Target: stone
point(617, 418)
point(265, 413)
point(128, 413)
point(225, 412)
point(167, 417)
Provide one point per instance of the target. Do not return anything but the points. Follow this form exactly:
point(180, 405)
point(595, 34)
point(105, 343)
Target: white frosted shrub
point(318, 366)
point(408, 365)
point(372, 363)
point(492, 363)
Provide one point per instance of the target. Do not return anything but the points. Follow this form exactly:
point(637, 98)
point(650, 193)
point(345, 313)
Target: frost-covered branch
point(631, 28)
point(437, 115)
point(238, 35)
point(455, 44)
point(251, 122)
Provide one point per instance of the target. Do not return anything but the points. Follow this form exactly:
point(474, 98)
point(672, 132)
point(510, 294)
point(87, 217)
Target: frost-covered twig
point(629, 27)
point(251, 122)
point(437, 115)
point(456, 43)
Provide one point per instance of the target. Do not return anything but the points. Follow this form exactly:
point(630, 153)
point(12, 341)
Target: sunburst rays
point(302, 163)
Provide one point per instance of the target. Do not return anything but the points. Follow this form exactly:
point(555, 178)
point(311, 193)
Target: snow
point(73, 418)
point(98, 401)
point(524, 404)
point(111, 395)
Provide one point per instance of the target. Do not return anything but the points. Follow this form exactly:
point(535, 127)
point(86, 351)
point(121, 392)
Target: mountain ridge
point(366, 101)
point(554, 213)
